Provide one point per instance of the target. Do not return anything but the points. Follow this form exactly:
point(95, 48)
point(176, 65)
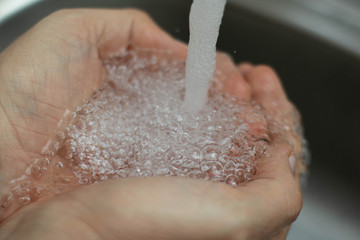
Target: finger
point(233, 82)
point(267, 89)
point(245, 68)
point(154, 208)
point(108, 32)
point(141, 32)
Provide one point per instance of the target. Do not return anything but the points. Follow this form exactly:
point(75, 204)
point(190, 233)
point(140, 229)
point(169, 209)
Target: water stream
point(205, 20)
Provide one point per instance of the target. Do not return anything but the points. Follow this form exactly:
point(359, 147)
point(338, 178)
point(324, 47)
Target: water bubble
point(24, 200)
point(251, 170)
point(229, 167)
point(122, 173)
point(58, 165)
point(209, 165)
point(146, 173)
point(80, 124)
point(240, 174)
point(135, 125)
point(85, 180)
point(35, 171)
point(211, 152)
point(215, 171)
point(195, 154)
point(232, 180)
point(62, 136)
point(66, 180)
point(175, 156)
point(39, 190)
point(42, 162)
point(92, 125)
point(191, 164)
point(197, 174)
point(6, 200)
point(20, 191)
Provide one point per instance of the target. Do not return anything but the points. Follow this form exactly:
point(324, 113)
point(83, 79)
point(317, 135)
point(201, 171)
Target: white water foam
point(135, 126)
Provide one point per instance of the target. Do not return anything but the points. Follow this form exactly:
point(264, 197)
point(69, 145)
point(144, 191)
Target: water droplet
point(191, 164)
point(42, 162)
point(211, 152)
point(62, 136)
point(232, 180)
point(80, 124)
point(105, 154)
point(121, 134)
point(122, 173)
point(146, 173)
point(56, 146)
point(240, 174)
point(66, 180)
point(40, 190)
point(70, 144)
point(6, 200)
point(175, 156)
point(251, 170)
point(35, 171)
point(92, 125)
point(85, 181)
point(229, 167)
point(24, 200)
point(20, 191)
point(58, 165)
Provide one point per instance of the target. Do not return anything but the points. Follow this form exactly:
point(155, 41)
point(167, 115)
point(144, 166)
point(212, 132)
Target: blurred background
point(315, 47)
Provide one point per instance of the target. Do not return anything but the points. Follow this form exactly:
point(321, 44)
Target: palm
point(56, 74)
point(51, 92)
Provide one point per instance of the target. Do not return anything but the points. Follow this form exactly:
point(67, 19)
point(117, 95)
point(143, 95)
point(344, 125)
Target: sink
point(320, 71)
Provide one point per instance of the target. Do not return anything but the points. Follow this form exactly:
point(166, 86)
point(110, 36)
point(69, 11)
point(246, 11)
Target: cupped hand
point(56, 66)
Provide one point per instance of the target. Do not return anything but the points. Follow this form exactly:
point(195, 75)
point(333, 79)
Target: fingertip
point(266, 88)
point(245, 68)
point(234, 82)
point(238, 87)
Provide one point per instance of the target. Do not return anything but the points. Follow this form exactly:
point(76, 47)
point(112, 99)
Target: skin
point(67, 49)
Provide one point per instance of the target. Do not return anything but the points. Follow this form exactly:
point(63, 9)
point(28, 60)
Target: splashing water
point(205, 19)
point(135, 126)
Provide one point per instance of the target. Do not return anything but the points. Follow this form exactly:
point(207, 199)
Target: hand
point(56, 66)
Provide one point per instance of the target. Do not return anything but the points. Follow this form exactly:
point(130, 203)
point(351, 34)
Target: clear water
point(154, 117)
point(136, 126)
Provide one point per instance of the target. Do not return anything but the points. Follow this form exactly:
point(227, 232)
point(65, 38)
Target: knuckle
point(223, 56)
point(265, 68)
point(268, 72)
point(63, 12)
point(137, 13)
point(68, 16)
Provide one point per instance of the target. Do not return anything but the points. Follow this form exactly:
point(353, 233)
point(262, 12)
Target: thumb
point(277, 190)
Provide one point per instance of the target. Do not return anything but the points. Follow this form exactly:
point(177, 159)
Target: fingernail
point(292, 162)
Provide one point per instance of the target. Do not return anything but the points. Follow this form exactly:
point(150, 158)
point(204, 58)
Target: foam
point(136, 126)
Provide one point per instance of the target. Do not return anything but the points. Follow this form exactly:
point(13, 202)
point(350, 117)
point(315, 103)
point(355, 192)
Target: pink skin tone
point(67, 49)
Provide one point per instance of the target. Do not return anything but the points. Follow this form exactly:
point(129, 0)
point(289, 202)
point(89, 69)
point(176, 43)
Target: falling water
point(205, 19)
